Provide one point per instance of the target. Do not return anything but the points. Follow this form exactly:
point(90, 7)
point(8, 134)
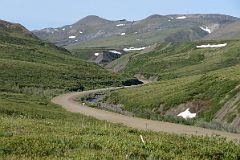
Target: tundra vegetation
point(32, 71)
point(185, 74)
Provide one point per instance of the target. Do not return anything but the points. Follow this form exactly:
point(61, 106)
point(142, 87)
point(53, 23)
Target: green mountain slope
point(204, 80)
point(173, 60)
point(26, 61)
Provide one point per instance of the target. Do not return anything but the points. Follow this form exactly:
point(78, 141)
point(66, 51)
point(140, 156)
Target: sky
point(38, 14)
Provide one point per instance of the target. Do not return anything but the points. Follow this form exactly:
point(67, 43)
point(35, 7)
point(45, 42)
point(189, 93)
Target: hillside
point(33, 128)
point(93, 31)
point(31, 71)
point(204, 80)
point(174, 60)
point(229, 31)
point(27, 62)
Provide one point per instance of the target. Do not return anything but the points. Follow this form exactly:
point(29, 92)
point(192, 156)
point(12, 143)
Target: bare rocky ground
point(97, 100)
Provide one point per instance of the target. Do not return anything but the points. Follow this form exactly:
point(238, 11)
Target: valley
point(163, 87)
point(188, 77)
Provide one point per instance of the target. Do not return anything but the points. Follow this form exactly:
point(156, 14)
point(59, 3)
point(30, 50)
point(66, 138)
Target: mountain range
point(93, 31)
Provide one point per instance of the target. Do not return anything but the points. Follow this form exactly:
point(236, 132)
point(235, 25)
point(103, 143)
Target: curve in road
point(67, 101)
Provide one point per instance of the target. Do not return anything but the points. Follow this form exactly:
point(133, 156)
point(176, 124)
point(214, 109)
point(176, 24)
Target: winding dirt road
point(68, 102)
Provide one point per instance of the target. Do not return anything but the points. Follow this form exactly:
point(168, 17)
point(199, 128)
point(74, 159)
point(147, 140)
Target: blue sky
point(37, 14)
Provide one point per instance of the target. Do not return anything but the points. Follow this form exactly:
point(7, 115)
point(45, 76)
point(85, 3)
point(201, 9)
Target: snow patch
point(133, 49)
point(72, 37)
point(96, 54)
point(56, 30)
point(187, 114)
point(76, 40)
point(206, 29)
point(64, 29)
point(80, 32)
point(181, 17)
point(135, 32)
point(213, 45)
point(123, 34)
point(70, 26)
point(121, 25)
point(169, 20)
point(116, 52)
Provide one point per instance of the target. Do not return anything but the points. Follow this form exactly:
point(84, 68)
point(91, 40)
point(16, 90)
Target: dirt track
point(67, 102)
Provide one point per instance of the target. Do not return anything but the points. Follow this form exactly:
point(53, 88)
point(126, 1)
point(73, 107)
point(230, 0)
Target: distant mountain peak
point(92, 19)
point(103, 32)
point(14, 27)
point(9, 25)
point(155, 16)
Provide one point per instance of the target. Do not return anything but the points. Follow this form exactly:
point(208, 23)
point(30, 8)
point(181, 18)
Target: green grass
point(29, 62)
point(238, 108)
point(184, 59)
point(230, 117)
point(185, 74)
point(33, 128)
point(171, 93)
point(119, 63)
point(87, 53)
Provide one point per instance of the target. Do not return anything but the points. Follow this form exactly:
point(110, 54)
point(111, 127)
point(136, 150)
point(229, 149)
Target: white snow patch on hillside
point(206, 29)
point(121, 25)
point(56, 30)
point(80, 32)
point(169, 20)
point(133, 49)
point(76, 40)
point(63, 29)
point(135, 32)
point(116, 52)
point(123, 34)
point(96, 54)
point(72, 37)
point(182, 17)
point(187, 114)
point(213, 45)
